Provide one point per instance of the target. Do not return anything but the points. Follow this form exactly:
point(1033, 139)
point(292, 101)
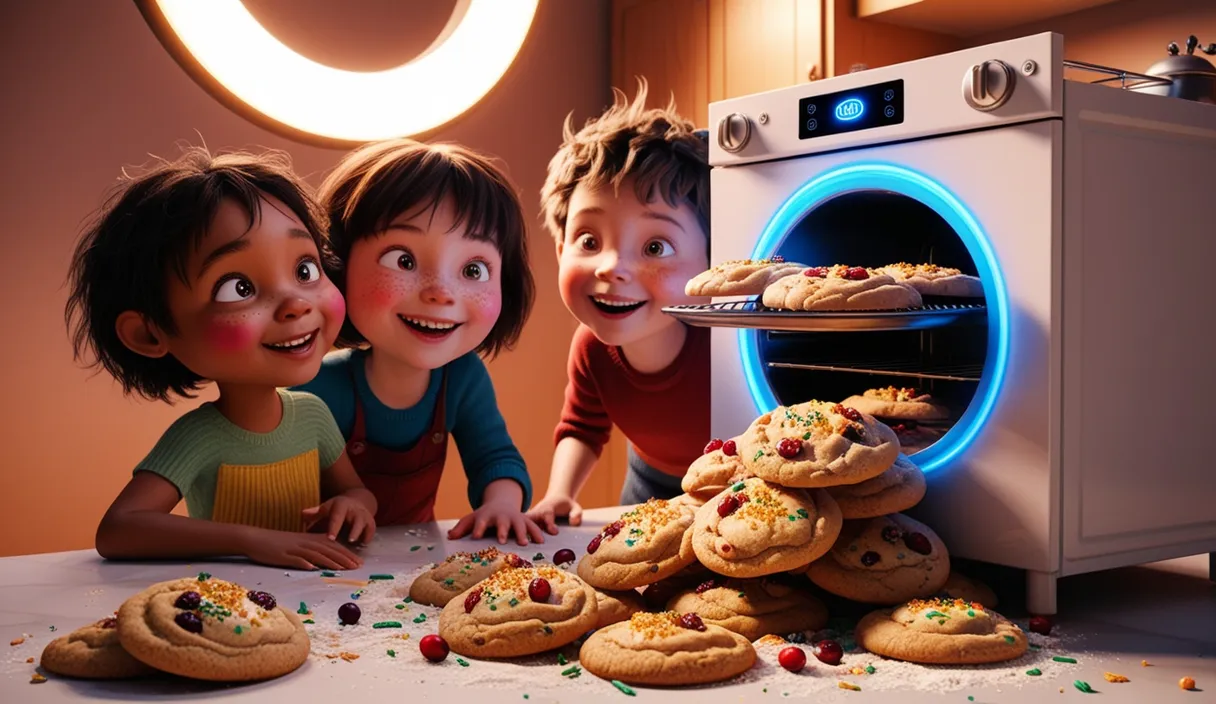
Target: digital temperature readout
point(851, 110)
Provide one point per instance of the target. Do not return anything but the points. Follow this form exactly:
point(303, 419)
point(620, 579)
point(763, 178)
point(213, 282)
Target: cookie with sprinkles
point(960, 586)
point(753, 607)
point(458, 572)
point(840, 287)
point(666, 649)
point(713, 471)
point(934, 280)
point(616, 606)
point(941, 632)
point(647, 543)
point(519, 611)
point(886, 560)
point(755, 528)
point(898, 489)
point(210, 629)
point(93, 652)
point(740, 277)
point(817, 444)
point(898, 403)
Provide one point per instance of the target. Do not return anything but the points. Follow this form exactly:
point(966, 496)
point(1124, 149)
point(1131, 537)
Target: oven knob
point(988, 85)
point(734, 131)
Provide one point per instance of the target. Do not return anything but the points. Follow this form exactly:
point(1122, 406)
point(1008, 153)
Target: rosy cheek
point(485, 305)
point(333, 305)
point(380, 293)
point(228, 335)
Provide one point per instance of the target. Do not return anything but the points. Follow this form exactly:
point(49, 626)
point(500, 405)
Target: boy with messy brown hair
point(627, 201)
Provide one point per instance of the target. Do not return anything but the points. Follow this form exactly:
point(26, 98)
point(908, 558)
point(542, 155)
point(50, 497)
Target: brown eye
point(476, 271)
point(233, 290)
point(658, 248)
point(588, 243)
point(308, 271)
point(398, 259)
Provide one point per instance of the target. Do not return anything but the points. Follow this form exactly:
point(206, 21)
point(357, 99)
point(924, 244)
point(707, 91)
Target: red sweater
point(665, 415)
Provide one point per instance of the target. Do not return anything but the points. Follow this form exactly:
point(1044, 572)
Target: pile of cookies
point(789, 286)
point(199, 627)
point(915, 416)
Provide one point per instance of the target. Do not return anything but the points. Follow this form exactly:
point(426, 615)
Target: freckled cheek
point(664, 281)
point(232, 335)
point(485, 305)
point(380, 293)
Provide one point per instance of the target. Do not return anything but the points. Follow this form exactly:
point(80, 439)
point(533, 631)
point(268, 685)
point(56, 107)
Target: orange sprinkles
point(1186, 683)
point(515, 580)
point(660, 625)
point(1112, 677)
point(918, 605)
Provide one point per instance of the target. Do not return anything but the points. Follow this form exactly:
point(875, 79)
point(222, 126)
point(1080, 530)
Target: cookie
point(755, 528)
point(519, 611)
point(817, 444)
point(658, 594)
point(839, 287)
point(941, 632)
point(740, 277)
point(648, 543)
point(898, 489)
point(886, 560)
point(209, 629)
point(753, 607)
point(92, 652)
point(962, 587)
point(614, 607)
point(914, 436)
point(666, 649)
point(458, 572)
point(933, 280)
point(686, 500)
point(898, 404)
point(712, 472)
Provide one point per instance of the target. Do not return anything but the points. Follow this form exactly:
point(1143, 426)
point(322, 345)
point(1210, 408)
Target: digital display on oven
point(851, 110)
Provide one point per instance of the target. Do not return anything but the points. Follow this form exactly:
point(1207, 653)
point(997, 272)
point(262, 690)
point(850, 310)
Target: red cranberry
point(262, 599)
point(918, 543)
point(189, 621)
point(349, 613)
point(705, 586)
point(188, 601)
point(890, 534)
point(855, 273)
point(109, 622)
point(870, 558)
point(539, 589)
point(514, 560)
point(848, 412)
point(728, 505)
point(433, 647)
point(726, 547)
point(792, 659)
point(789, 447)
point(829, 652)
point(692, 622)
point(816, 272)
point(594, 544)
point(729, 448)
point(1041, 625)
point(715, 444)
point(613, 528)
point(563, 556)
point(471, 600)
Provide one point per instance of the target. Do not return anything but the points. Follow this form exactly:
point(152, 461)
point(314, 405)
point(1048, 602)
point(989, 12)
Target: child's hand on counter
point(500, 511)
point(550, 508)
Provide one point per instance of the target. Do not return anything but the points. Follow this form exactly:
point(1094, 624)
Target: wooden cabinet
point(701, 51)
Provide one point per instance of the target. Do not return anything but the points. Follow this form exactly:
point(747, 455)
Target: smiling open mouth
point(615, 308)
point(430, 329)
point(295, 345)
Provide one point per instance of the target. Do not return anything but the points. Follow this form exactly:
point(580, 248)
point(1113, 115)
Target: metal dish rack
point(1118, 74)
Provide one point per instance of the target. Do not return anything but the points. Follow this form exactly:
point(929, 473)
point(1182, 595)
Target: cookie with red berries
point(713, 471)
point(519, 611)
point(92, 652)
point(755, 528)
point(616, 606)
point(941, 632)
point(898, 403)
point(210, 629)
point(885, 560)
point(647, 543)
point(459, 571)
point(840, 287)
point(817, 444)
point(898, 489)
point(753, 607)
point(666, 649)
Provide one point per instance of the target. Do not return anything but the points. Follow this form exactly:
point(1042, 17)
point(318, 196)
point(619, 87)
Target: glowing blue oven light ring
point(872, 176)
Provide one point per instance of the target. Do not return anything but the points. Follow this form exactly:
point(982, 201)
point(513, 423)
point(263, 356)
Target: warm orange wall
point(87, 89)
point(1130, 34)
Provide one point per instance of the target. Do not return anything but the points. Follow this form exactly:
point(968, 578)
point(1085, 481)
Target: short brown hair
point(145, 234)
point(662, 151)
point(377, 182)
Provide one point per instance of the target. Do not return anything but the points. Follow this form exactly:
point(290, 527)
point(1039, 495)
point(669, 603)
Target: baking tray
point(754, 315)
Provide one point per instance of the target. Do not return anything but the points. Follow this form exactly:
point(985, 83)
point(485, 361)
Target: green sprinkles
point(420, 618)
point(493, 607)
point(561, 659)
point(758, 455)
point(1083, 686)
point(303, 609)
point(935, 614)
point(392, 653)
point(971, 613)
point(387, 624)
point(204, 576)
point(380, 576)
point(237, 630)
point(538, 556)
point(1010, 639)
point(327, 573)
point(573, 669)
point(870, 669)
point(462, 662)
point(1035, 647)
point(408, 600)
point(513, 601)
point(399, 607)
point(802, 513)
point(309, 620)
point(415, 548)
point(740, 485)
point(450, 581)
point(792, 517)
point(629, 542)
point(1061, 658)
point(1034, 672)
point(624, 688)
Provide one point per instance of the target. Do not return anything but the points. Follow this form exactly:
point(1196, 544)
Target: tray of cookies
point(755, 315)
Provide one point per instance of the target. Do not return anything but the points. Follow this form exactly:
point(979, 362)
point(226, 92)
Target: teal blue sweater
point(473, 418)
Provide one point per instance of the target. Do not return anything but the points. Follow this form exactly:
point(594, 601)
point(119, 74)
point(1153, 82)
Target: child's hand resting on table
point(301, 551)
point(549, 509)
point(500, 510)
point(343, 511)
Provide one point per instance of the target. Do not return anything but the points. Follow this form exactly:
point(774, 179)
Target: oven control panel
point(867, 107)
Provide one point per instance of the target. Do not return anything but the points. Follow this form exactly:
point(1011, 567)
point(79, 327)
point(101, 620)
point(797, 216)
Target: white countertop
point(69, 589)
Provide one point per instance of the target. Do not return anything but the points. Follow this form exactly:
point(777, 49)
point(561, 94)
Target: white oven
point(1080, 384)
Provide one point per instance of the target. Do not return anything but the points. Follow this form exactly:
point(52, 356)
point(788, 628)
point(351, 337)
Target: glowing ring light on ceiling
point(897, 179)
point(227, 50)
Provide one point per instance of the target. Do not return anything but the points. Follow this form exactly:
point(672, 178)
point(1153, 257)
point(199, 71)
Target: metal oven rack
point(754, 315)
point(1118, 74)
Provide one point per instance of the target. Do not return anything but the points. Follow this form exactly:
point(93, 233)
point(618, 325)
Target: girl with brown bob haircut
point(431, 253)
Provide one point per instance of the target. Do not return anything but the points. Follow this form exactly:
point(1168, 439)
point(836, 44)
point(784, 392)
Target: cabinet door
point(851, 41)
point(666, 42)
point(761, 45)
